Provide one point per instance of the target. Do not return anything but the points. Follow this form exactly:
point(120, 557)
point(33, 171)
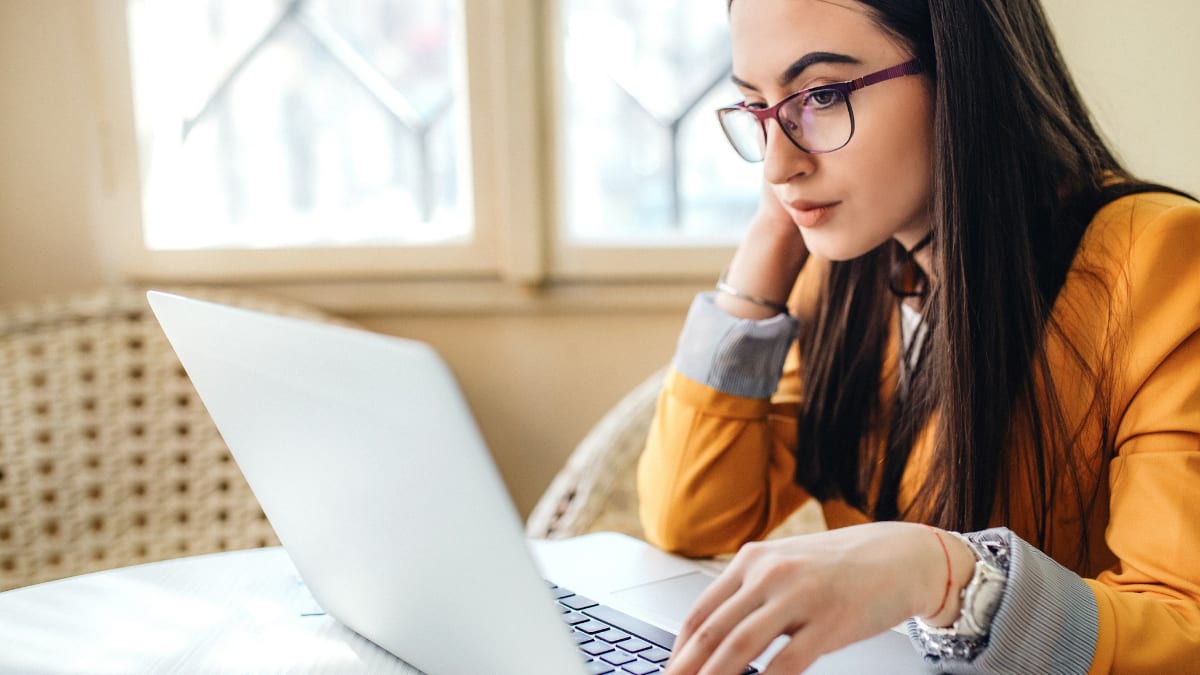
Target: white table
point(241, 611)
point(249, 612)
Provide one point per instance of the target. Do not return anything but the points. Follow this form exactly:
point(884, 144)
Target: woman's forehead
point(800, 12)
point(770, 35)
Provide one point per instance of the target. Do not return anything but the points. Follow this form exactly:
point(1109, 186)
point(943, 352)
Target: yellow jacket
point(717, 470)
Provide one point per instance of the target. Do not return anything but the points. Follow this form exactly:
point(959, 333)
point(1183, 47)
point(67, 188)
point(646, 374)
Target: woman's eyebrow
point(799, 66)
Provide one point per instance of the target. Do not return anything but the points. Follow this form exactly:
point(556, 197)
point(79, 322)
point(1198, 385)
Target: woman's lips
point(810, 214)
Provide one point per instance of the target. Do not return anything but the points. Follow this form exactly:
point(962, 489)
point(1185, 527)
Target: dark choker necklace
point(906, 279)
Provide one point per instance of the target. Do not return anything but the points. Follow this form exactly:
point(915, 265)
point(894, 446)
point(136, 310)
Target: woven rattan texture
point(107, 456)
point(596, 490)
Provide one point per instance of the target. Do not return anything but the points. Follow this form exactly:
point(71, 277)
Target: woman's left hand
point(824, 591)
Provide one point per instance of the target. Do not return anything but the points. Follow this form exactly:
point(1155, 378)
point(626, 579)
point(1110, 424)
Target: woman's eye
point(754, 105)
point(822, 99)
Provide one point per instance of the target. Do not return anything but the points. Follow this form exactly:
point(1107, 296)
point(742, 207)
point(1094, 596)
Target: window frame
point(513, 64)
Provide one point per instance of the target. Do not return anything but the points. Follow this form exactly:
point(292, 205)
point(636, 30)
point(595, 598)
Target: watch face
point(982, 595)
point(988, 598)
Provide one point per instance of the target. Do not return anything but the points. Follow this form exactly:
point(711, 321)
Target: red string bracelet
point(946, 553)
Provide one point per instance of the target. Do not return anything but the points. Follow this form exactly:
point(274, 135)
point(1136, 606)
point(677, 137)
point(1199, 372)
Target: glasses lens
point(818, 121)
point(744, 132)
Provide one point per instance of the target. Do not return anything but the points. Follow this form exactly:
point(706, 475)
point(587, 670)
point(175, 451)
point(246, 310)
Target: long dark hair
point(1019, 172)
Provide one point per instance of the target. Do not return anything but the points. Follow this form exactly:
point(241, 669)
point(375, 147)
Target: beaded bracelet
point(725, 288)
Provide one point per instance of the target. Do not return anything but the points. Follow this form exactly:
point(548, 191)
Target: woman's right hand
point(767, 261)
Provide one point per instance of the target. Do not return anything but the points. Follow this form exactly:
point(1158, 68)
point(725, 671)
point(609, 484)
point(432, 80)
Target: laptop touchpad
point(669, 600)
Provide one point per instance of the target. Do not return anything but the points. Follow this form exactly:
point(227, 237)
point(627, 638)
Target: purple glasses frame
point(912, 67)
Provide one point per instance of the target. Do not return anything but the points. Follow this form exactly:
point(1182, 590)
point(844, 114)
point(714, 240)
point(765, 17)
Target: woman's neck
point(922, 256)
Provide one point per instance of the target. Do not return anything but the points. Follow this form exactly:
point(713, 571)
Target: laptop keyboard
point(612, 641)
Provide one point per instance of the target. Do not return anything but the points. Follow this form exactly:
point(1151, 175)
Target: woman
point(954, 311)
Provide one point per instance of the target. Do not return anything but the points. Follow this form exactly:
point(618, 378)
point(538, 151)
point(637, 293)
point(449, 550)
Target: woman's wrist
point(952, 564)
point(765, 266)
point(962, 636)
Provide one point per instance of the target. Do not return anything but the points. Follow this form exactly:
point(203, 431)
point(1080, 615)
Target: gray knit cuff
point(743, 357)
point(1047, 621)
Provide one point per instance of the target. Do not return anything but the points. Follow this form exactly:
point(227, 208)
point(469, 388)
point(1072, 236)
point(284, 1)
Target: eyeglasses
point(816, 120)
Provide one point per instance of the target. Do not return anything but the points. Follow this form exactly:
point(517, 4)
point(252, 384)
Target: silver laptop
point(368, 463)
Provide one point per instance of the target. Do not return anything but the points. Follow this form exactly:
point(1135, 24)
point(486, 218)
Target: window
point(642, 157)
point(437, 139)
point(275, 125)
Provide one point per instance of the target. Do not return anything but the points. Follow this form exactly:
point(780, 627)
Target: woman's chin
point(836, 248)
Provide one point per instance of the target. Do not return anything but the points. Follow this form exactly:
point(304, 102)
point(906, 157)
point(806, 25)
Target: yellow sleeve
point(1149, 603)
point(718, 469)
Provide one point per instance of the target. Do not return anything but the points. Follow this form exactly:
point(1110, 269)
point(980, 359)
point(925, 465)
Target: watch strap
point(980, 598)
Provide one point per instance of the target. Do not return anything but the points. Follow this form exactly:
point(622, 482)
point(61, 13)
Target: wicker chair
point(596, 490)
point(107, 456)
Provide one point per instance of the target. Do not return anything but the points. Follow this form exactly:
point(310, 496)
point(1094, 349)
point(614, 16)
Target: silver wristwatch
point(980, 599)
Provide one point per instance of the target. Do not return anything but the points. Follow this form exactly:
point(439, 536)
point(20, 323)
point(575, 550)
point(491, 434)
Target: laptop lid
point(367, 461)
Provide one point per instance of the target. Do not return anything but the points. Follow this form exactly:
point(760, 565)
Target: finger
point(711, 634)
point(727, 583)
point(750, 638)
point(807, 644)
point(796, 656)
point(721, 589)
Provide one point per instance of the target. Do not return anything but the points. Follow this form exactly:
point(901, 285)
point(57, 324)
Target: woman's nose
point(782, 160)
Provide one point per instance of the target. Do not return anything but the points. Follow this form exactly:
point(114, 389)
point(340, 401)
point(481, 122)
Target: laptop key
point(640, 667)
point(655, 655)
point(599, 668)
point(613, 635)
point(581, 638)
point(618, 658)
point(635, 645)
point(595, 648)
point(574, 618)
point(578, 602)
point(592, 627)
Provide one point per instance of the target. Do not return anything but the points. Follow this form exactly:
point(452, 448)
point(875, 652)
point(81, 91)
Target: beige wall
point(45, 234)
point(537, 383)
point(1136, 64)
point(537, 380)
